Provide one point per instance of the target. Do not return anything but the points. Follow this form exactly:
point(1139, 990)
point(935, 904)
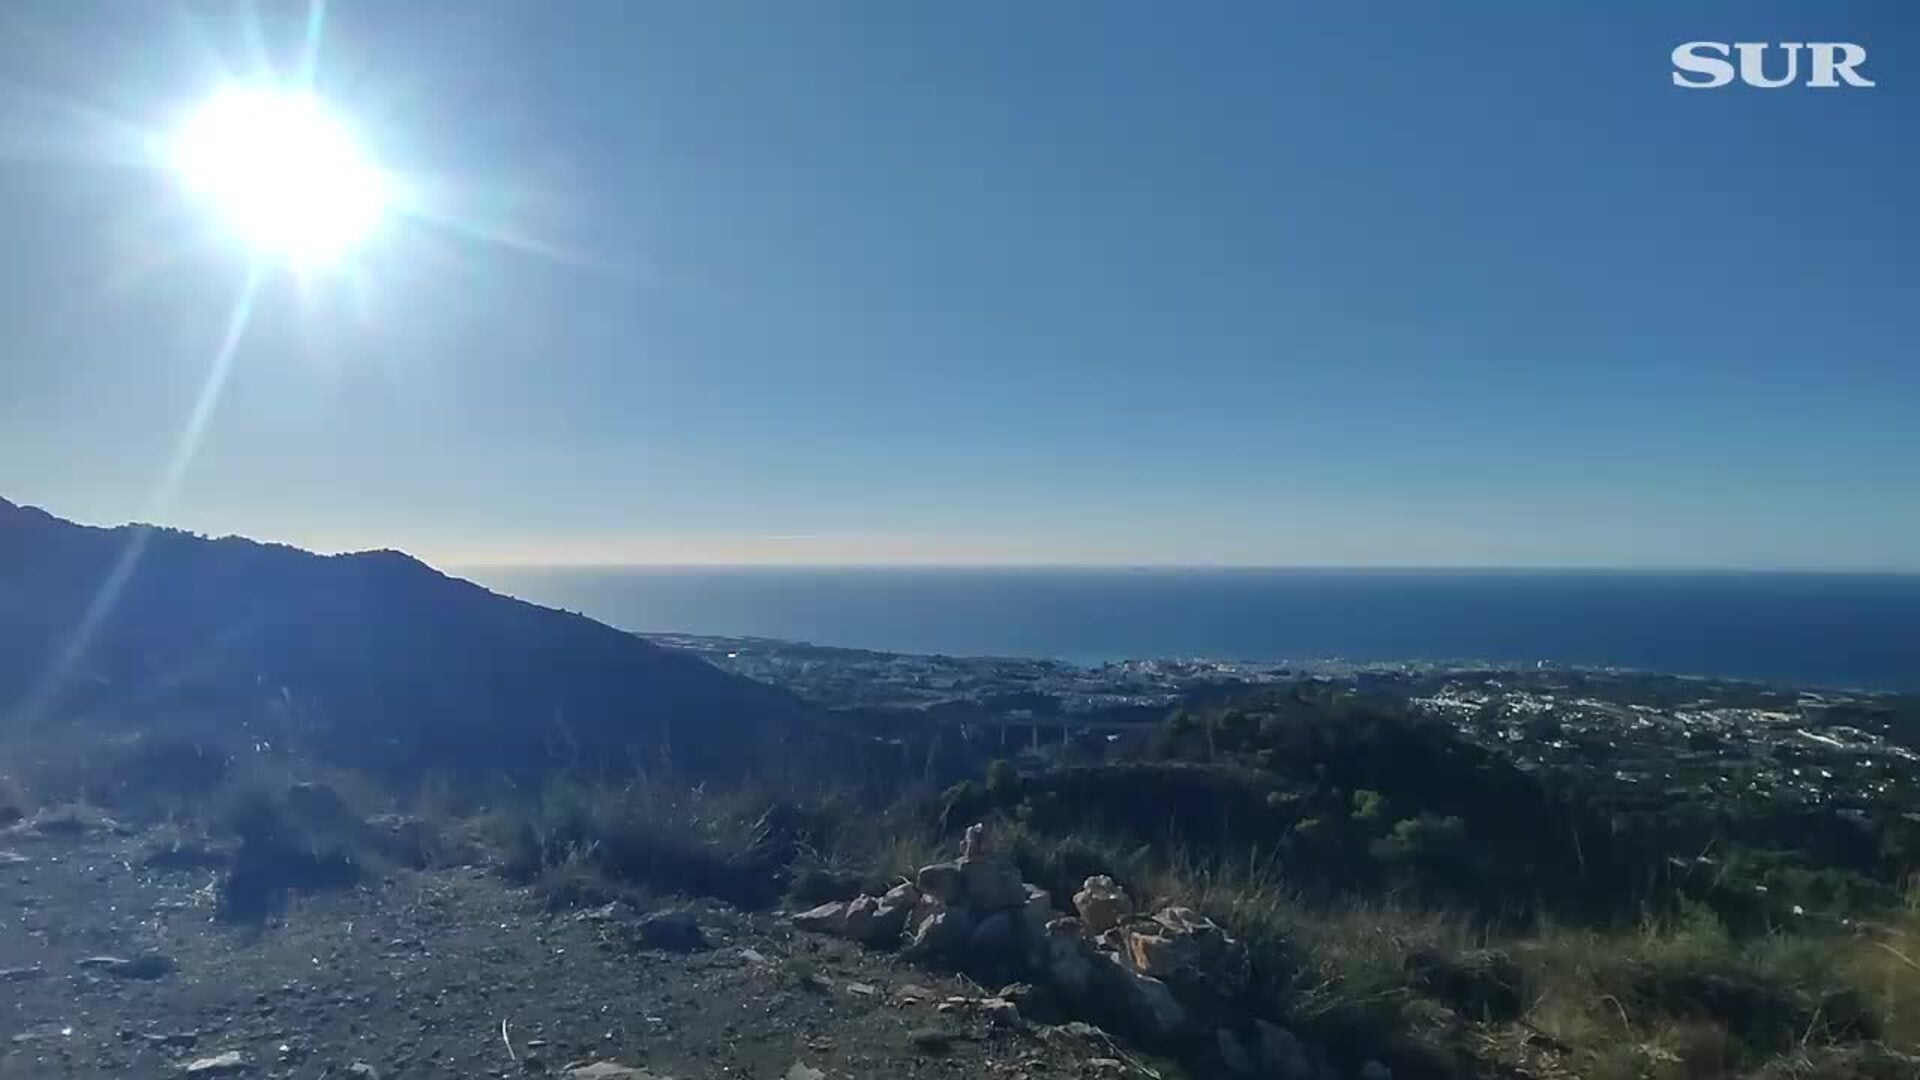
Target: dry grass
point(899, 856)
point(1676, 1000)
point(1884, 962)
point(1686, 1000)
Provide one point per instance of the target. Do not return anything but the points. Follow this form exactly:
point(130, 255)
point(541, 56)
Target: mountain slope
point(371, 657)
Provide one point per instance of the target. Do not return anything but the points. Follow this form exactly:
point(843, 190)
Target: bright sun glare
point(284, 171)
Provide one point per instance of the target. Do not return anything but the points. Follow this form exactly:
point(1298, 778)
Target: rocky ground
point(113, 963)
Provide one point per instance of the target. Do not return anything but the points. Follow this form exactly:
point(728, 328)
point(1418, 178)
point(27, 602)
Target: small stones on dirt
point(186, 856)
point(604, 913)
point(178, 1040)
point(310, 993)
point(225, 1064)
point(150, 966)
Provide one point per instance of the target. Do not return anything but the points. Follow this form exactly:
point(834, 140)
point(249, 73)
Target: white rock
point(218, 1065)
point(828, 918)
point(607, 1070)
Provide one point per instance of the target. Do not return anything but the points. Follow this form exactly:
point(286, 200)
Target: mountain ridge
point(375, 656)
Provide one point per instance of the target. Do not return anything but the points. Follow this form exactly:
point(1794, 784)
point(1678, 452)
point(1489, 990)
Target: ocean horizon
point(1805, 628)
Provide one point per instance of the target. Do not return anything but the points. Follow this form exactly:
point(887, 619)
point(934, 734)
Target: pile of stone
point(973, 907)
point(1168, 977)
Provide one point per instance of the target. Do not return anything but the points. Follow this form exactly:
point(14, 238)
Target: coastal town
point(1646, 736)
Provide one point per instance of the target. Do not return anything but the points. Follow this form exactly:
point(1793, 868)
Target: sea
point(1854, 631)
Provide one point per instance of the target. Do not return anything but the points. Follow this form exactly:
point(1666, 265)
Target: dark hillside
point(371, 658)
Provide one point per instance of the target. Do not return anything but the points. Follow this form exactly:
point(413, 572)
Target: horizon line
point(460, 565)
point(1124, 567)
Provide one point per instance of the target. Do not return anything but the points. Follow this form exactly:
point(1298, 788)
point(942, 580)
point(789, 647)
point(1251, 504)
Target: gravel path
point(109, 967)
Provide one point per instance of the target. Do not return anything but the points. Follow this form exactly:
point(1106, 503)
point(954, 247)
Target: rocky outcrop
point(1142, 1002)
point(870, 920)
point(1168, 978)
point(1186, 949)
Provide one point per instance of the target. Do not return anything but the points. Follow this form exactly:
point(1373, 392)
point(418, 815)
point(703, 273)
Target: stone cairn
point(1172, 977)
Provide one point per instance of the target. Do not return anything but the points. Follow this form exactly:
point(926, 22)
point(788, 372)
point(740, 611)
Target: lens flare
point(285, 172)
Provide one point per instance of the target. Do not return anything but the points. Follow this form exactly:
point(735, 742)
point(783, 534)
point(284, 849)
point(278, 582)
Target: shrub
point(1003, 782)
point(291, 841)
point(741, 847)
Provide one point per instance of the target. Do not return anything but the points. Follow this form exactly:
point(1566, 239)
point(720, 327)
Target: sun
point(285, 172)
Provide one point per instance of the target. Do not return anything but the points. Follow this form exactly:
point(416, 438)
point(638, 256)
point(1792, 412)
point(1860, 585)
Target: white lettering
point(1825, 67)
point(1753, 64)
point(1688, 58)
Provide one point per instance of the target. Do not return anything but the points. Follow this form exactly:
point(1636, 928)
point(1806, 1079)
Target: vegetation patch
point(292, 840)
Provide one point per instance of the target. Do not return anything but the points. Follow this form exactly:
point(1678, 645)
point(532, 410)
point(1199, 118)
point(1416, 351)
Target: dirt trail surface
point(110, 966)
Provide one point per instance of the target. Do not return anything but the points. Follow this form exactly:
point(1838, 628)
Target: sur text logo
point(1709, 65)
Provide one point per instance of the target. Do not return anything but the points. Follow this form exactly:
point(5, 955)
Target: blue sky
point(1464, 284)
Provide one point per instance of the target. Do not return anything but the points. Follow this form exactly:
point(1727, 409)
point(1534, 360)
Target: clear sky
point(1260, 283)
